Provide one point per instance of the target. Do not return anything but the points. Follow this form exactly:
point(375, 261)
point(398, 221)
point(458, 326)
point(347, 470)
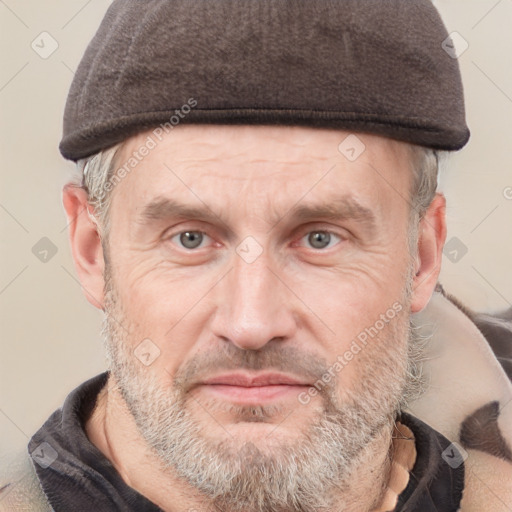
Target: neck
point(112, 429)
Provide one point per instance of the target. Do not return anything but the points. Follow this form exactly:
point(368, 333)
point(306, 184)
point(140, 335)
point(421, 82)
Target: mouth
point(247, 389)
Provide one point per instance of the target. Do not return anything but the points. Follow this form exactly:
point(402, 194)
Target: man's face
point(291, 271)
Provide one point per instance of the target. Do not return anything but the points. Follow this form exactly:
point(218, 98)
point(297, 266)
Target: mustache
point(274, 356)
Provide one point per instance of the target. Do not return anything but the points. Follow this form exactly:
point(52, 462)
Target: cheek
point(156, 291)
point(373, 355)
point(353, 296)
point(359, 310)
point(167, 308)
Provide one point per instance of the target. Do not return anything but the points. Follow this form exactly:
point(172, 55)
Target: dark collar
point(82, 478)
point(436, 483)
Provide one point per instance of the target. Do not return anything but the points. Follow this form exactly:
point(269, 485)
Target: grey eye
point(191, 239)
point(319, 239)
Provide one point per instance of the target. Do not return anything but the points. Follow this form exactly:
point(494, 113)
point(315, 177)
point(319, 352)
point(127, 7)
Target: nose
point(255, 305)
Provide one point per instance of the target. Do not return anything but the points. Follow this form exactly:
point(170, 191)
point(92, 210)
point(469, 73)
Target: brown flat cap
point(373, 66)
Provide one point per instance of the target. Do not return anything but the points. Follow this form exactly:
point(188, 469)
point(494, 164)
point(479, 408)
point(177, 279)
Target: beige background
point(50, 334)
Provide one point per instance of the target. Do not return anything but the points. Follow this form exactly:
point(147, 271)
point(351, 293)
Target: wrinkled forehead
point(273, 166)
point(252, 144)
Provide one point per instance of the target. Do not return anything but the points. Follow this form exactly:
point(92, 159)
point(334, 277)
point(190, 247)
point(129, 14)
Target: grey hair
point(97, 177)
point(95, 174)
point(425, 169)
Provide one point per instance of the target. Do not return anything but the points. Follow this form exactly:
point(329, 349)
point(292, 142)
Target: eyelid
point(183, 227)
point(322, 226)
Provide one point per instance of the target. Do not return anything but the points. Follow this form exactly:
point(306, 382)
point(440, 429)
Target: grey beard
point(310, 474)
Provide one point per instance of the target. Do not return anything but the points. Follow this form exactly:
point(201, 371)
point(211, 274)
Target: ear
point(85, 244)
point(431, 238)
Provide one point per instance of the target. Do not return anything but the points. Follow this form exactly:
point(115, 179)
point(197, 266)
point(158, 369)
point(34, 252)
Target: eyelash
point(317, 230)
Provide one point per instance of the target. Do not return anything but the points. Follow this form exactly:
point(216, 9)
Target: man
point(258, 219)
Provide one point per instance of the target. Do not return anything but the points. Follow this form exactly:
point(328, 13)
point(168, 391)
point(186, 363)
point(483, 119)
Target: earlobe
point(431, 238)
point(85, 242)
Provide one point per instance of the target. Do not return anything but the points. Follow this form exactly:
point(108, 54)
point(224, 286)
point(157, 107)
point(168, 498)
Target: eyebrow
point(340, 208)
point(162, 208)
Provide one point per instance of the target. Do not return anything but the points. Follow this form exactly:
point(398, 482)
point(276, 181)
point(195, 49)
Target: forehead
point(270, 167)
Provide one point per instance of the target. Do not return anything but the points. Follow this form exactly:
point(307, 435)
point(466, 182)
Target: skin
point(191, 301)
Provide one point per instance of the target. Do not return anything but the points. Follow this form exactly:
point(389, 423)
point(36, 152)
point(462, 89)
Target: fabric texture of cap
point(372, 66)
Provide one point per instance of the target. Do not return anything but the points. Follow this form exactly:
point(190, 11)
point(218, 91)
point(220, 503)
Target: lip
point(256, 389)
point(258, 380)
